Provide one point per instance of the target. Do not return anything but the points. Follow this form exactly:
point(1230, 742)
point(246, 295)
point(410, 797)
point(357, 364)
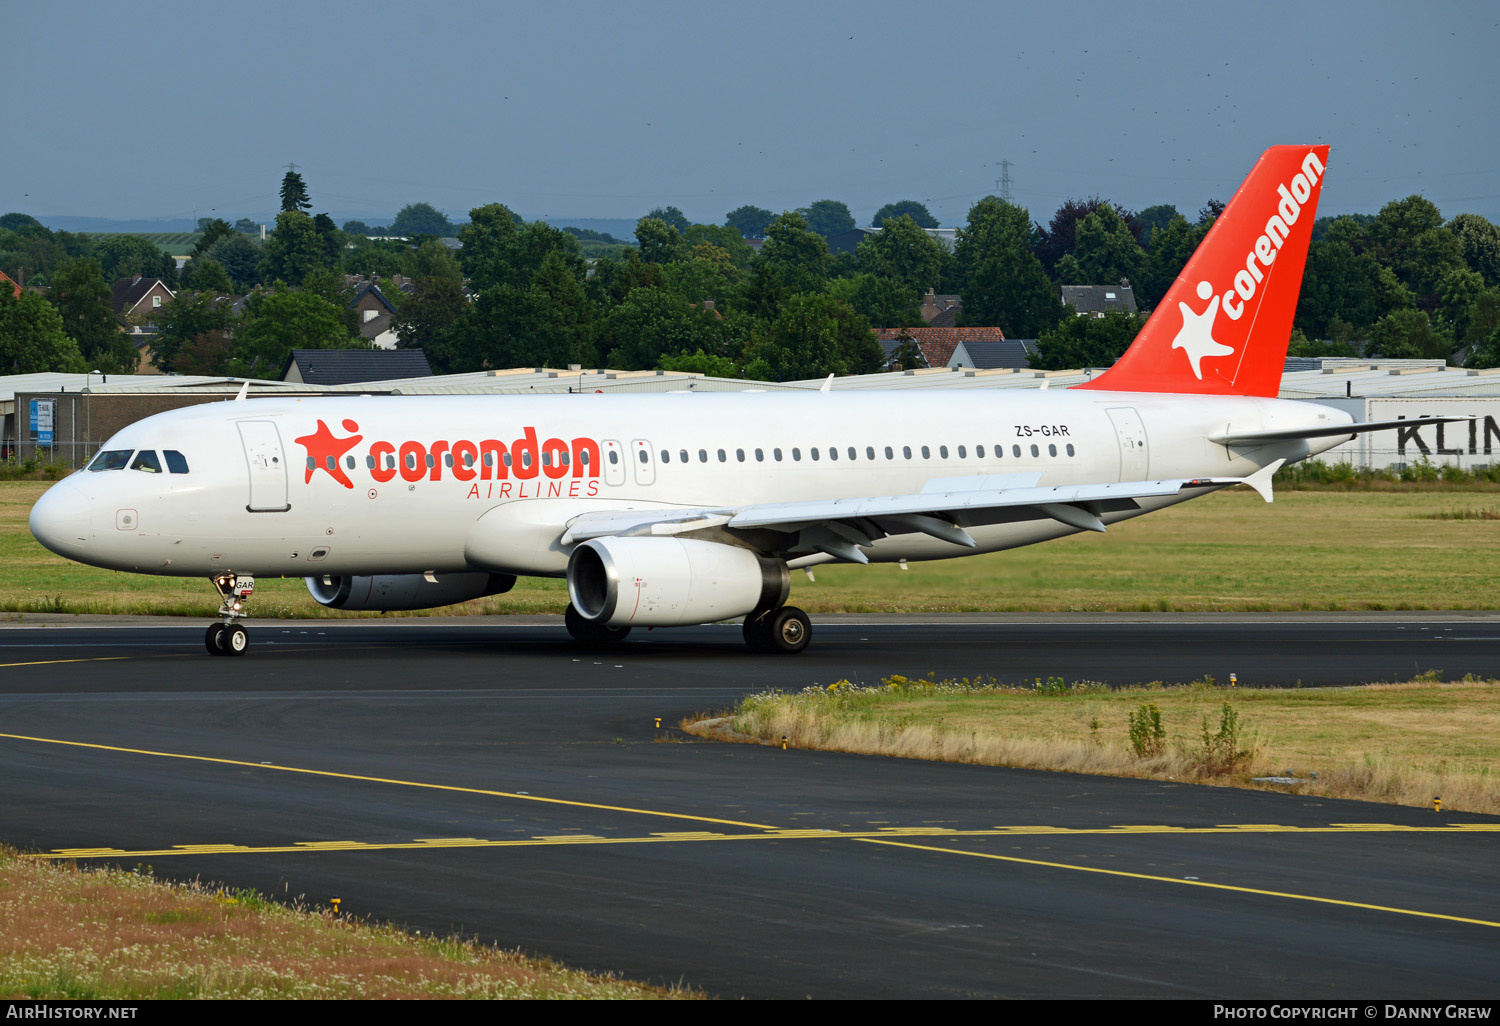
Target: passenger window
point(430, 461)
point(645, 457)
point(146, 460)
point(563, 460)
point(1034, 450)
point(546, 457)
point(469, 459)
point(1070, 448)
point(926, 453)
point(833, 452)
point(1051, 450)
point(614, 458)
point(797, 454)
point(962, 453)
point(348, 462)
point(776, 453)
point(1015, 450)
point(869, 452)
point(390, 461)
point(813, 450)
point(177, 463)
point(583, 458)
point(683, 455)
point(978, 451)
point(906, 451)
point(739, 454)
point(508, 461)
point(369, 462)
point(760, 456)
point(722, 457)
point(447, 459)
point(889, 453)
point(489, 459)
point(943, 451)
point(332, 462)
point(702, 455)
point(666, 457)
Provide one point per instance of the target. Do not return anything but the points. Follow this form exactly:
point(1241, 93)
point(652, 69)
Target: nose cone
point(60, 520)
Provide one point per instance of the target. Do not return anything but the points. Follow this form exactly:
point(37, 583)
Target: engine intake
point(390, 592)
point(666, 582)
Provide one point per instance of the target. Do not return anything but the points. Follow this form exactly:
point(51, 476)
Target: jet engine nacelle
point(405, 591)
point(665, 582)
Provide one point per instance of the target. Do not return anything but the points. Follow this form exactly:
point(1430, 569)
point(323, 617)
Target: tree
point(1407, 335)
point(1154, 219)
point(82, 300)
point(727, 239)
point(213, 230)
point(275, 323)
point(429, 319)
point(1170, 248)
point(239, 255)
point(660, 242)
point(498, 248)
point(435, 260)
point(207, 275)
point(904, 208)
point(827, 217)
point(14, 222)
point(1004, 283)
point(672, 216)
point(293, 251)
point(1059, 237)
point(32, 338)
point(903, 252)
point(1087, 341)
point(330, 238)
point(750, 222)
point(121, 256)
point(247, 226)
point(882, 301)
point(816, 335)
point(294, 193)
point(179, 322)
point(1350, 287)
point(357, 228)
point(649, 324)
point(1479, 241)
point(1106, 250)
point(705, 272)
point(422, 219)
point(793, 260)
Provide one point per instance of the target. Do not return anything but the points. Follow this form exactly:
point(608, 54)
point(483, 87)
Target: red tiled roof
point(937, 344)
point(5, 277)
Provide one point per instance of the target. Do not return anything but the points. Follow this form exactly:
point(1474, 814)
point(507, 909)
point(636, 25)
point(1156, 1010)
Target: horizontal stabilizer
point(1292, 434)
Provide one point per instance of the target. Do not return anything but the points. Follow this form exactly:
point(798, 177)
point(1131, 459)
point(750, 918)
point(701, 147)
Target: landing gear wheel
point(212, 640)
point(758, 633)
point(587, 632)
point(234, 640)
point(787, 629)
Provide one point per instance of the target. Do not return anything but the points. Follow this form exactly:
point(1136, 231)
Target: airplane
point(672, 509)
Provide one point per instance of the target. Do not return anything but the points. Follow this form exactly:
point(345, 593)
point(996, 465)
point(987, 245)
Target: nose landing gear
point(229, 637)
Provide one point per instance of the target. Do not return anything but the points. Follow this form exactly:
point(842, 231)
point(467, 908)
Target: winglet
point(827, 385)
point(1261, 479)
point(244, 391)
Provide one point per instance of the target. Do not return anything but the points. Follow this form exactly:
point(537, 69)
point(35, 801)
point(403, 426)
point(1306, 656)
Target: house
point(352, 366)
point(847, 242)
point(941, 311)
point(1097, 300)
point(991, 354)
point(375, 314)
point(135, 301)
point(6, 278)
point(938, 345)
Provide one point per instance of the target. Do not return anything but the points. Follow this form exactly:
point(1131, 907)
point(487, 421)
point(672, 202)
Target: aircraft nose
point(60, 520)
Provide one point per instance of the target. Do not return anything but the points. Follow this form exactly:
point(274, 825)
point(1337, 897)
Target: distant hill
point(620, 227)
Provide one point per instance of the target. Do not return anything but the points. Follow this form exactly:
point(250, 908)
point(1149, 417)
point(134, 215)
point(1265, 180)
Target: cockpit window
point(114, 459)
point(146, 460)
point(176, 462)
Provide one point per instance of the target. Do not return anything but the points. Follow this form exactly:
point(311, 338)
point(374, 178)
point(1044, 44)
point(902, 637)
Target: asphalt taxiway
point(487, 777)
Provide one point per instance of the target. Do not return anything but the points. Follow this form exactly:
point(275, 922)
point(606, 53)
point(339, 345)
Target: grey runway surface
point(485, 776)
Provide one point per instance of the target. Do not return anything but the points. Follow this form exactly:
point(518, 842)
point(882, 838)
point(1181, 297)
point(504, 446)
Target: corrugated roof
point(356, 366)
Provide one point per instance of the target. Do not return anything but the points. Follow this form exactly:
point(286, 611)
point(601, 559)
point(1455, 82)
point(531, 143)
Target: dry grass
point(116, 935)
point(1397, 743)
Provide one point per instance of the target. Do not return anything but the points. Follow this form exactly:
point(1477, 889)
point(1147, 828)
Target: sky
point(563, 109)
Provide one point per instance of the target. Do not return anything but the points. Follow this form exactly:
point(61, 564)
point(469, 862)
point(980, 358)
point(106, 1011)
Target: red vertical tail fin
point(1224, 325)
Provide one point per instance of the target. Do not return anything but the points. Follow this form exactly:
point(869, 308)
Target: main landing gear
point(230, 638)
point(784, 629)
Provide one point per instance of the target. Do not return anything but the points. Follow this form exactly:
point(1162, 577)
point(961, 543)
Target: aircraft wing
point(943, 509)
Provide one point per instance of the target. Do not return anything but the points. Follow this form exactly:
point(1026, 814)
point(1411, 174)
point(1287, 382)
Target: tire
point(587, 632)
point(235, 640)
point(788, 630)
point(757, 636)
point(212, 638)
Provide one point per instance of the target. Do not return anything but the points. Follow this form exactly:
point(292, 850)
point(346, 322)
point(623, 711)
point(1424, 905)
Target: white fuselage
point(249, 501)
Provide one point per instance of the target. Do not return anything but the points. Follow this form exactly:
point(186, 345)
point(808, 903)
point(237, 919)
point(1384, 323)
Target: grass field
point(114, 935)
point(1399, 743)
point(1310, 550)
point(179, 244)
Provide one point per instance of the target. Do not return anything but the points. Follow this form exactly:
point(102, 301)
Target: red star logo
point(324, 452)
